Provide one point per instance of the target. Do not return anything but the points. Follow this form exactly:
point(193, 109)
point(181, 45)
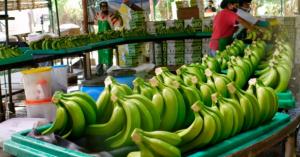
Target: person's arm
point(132, 5)
point(245, 23)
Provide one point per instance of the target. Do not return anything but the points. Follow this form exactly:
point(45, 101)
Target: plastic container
point(285, 95)
point(37, 85)
point(41, 110)
point(287, 104)
point(59, 78)
point(95, 87)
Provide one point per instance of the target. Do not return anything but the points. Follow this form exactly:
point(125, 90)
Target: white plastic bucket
point(37, 84)
point(59, 78)
point(45, 110)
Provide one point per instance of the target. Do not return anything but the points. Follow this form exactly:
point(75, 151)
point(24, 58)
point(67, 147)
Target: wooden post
point(290, 150)
point(85, 16)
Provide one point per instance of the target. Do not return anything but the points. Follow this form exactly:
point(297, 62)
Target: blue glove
point(262, 23)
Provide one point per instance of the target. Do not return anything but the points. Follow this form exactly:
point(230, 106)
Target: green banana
point(168, 120)
point(61, 120)
point(150, 107)
point(88, 111)
point(168, 137)
point(133, 120)
point(208, 130)
point(113, 126)
point(104, 106)
point(160, 147)
point(77, 117)
point(192, 131)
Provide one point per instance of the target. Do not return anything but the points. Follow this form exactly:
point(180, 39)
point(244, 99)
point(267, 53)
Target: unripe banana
point(113, 126)
point(133, 120)
point(104, 106)
point(150, 106)
point(207, 133)
point(61, 120)
point(77, 117)
point(168, 120)
point(190, 133)
point(87, 109)
point(147, 122)
point(158, 102)
point(284, 77)
point(160, 147)
point(165, 136)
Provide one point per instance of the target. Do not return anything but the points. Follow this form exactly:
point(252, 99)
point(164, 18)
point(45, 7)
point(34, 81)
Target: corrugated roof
point(23, 4)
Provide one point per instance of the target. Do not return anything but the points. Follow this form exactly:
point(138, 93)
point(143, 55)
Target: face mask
point(234, 10)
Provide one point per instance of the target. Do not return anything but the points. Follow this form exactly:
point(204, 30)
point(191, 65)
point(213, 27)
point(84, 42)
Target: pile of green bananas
point(136, 32)
point(155, 143)
point(119, 113)
point(241, 69)
point(276, 70)
point(63, 42)
point(211, 63)
point(172, 30)
point(75, 111)
point(9, 52)
point(259, 34)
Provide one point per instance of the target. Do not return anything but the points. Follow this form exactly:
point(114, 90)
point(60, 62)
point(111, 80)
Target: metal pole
point(11, 105)
point(85, 16)
point(57, 18)
point(51, 15)
point(2, 111)
point(6, 22)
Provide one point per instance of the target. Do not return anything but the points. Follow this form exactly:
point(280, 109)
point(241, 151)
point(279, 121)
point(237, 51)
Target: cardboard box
point(207, 24)
point(188, 13)
point(175, 23)
point(195, 23)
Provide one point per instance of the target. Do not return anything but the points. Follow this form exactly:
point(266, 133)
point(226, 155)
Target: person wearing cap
point(106, 20)
point(225, 24)
point(210, 8)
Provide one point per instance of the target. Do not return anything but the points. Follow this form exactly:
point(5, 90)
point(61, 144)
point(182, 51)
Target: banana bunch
point(130, 112)
point(151, 92)
point(104, 102)
point(140, 86)
point(259, 34)
point(135, 32)
point(211, 63)
point(231, 116)
point(218, 82)
point(155, 143)
point(276, 71)
point(9, 52)
point(173, 112)
point(266, 35)
point(266, 97)
point(187, 72)
point(64, 42)
point(249, 105)
point(165, 76)
point(205, 129)
point(239, 71)
point(252, 35)
point(74, 112)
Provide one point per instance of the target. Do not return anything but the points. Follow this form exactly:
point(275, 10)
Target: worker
point(210, 8)
point(244, 12)
point(106, 21)
point(225, 24)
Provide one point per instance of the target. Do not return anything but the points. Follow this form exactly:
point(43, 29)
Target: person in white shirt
point(244, 12)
